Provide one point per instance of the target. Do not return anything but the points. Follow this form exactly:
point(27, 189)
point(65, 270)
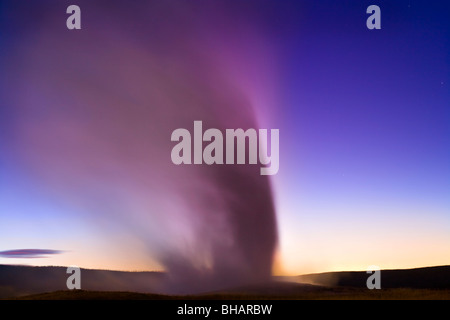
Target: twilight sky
point(86, 116)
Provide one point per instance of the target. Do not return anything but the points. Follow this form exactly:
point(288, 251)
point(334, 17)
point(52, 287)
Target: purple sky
point(364, 123)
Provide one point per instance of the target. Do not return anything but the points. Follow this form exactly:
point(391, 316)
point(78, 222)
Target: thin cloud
point(28, 253)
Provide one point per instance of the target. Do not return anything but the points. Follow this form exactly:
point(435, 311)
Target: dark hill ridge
point(418, 278)
point(24, 280)
point(17, 281)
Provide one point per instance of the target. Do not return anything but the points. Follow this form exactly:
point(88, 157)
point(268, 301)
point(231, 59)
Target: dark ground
point(48, 283)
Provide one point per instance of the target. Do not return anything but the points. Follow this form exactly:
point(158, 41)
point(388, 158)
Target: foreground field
point(326, 294)
point(49, 283)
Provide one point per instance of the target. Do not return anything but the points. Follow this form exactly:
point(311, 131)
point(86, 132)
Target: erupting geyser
point(91, 112)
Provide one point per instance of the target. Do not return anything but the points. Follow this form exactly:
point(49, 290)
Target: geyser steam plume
point(89, 115)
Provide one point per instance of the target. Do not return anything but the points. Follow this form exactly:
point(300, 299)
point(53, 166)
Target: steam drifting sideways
point(90, 115)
